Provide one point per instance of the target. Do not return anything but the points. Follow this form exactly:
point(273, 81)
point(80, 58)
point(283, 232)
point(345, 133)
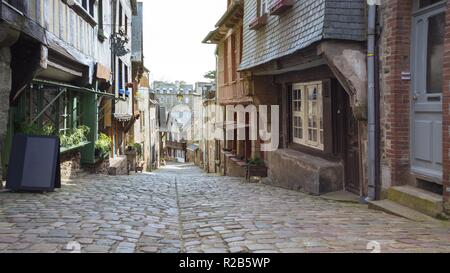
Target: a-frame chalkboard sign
point(34, 164)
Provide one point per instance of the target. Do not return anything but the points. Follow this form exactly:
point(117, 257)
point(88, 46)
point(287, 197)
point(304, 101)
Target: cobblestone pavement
point(180, 209)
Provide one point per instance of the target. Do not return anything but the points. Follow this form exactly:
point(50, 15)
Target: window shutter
point(328, 115)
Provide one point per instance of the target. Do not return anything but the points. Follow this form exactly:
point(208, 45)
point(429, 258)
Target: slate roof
point(307, 22)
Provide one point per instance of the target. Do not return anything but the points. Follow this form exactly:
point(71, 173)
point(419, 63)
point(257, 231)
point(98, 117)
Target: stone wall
point(5, 89)
point(70, 165)
point(101, 167)
point(190, 156)
point(234, 168)
point(118, 166)
point(305, 173)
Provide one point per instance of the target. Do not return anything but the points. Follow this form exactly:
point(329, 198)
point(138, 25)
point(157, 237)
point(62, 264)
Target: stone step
point(399, 210)
point(342, 196)
point(417, 199)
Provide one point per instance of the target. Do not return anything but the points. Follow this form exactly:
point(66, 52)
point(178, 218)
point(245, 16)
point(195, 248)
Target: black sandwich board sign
point(34, 164)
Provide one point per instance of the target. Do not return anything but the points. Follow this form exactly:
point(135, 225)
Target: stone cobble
point(181, 209)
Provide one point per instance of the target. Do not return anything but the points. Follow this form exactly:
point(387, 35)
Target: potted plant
point(103, 146)
point(138, 148)
point(74, 137)
point(256, 167)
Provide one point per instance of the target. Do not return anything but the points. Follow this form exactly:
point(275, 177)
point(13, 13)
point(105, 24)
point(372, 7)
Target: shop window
point(307, 115)
point(69, 111)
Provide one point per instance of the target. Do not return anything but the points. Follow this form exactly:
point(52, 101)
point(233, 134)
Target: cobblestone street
point(180, 209)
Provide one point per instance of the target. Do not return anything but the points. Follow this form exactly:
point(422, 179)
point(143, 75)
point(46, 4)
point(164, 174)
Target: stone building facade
point(233, 89)
point(146, 128)
point(181, 105)
point(307, 59)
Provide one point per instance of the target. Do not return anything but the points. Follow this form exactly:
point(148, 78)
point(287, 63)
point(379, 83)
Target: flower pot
point(254, 170)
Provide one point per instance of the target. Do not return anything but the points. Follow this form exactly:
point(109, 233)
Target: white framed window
point(263, 7)
point(88, 6)
point(307, 115)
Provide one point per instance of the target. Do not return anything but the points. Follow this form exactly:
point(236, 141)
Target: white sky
point(173, 34)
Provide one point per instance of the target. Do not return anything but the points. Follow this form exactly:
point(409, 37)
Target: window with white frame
point(307, 115)
point(88, 6)
point(263, 7)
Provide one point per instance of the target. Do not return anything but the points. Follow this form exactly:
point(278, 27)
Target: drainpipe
point(113, 71)
point(372, 140)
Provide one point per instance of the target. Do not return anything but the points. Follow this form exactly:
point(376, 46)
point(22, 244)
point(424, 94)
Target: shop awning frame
point(76, 88)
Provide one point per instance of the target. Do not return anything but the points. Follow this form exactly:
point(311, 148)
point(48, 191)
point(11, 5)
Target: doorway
point(428, 32)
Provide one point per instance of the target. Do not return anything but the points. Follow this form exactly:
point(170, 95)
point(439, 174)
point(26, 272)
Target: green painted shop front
point(53, 108)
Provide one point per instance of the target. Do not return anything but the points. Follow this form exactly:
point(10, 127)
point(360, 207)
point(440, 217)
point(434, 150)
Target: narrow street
point(181, 209)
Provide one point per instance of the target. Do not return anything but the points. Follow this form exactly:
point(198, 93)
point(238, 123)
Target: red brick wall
point(395, 113)
point(446, 111)
point(395, 92)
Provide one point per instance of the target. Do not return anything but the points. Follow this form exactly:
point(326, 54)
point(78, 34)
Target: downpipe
point(371, 70)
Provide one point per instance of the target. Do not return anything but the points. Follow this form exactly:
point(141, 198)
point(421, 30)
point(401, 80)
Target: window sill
point(258, 22)
point(325, 154)
point(280, 7)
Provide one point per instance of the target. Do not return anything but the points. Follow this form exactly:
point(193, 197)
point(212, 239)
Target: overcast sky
point(173, 32)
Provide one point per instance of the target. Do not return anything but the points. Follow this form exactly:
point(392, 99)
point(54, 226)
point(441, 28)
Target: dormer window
point(261, 18)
